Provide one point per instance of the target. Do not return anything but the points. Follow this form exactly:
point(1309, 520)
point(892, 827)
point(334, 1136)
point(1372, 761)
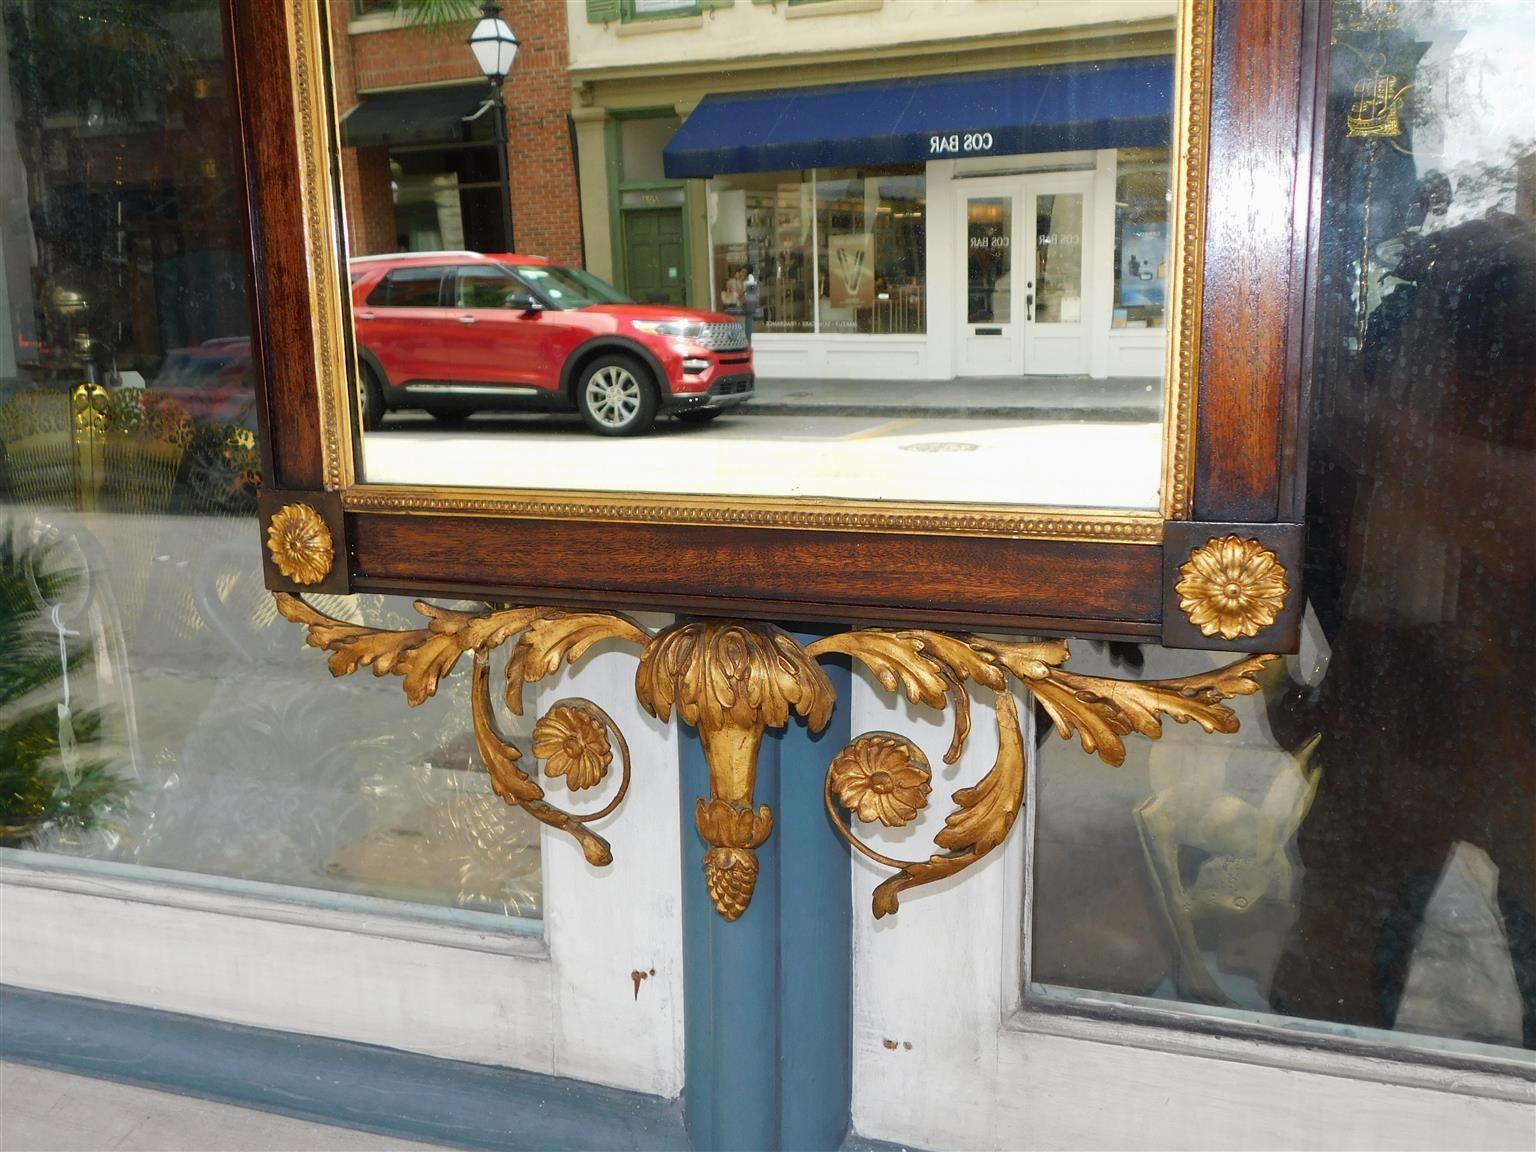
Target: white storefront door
point(991, 280)
point(1057, 212)
point(1023, 277)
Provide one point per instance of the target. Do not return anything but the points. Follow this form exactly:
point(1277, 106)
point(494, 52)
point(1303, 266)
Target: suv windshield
point(570, 287)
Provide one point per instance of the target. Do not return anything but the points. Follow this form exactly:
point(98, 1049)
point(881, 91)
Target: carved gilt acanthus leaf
point(1103, 711)
point(562, 637)
point(516, 787)
point(985, 814)
point(420, 656)
point(732, 675)
point(929, 667)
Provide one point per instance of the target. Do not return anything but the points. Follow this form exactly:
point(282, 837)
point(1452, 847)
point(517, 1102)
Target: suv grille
point(726, 337)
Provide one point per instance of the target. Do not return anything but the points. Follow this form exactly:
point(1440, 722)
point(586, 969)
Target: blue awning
point(1055, 108)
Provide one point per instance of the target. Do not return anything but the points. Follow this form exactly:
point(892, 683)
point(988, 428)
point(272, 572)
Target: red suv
point(455, 332)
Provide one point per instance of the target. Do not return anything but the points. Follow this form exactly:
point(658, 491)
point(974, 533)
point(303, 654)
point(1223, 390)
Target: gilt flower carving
point(300, 544)
point(572, 743)
point(882, 777)
point(1232, 587)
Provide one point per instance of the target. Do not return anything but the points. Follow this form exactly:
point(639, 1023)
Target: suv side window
point(408, 288)
point(479, 287)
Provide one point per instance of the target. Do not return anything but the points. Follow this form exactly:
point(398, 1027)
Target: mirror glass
point(903, 252)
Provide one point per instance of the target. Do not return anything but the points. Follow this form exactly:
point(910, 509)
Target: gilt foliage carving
point(732, 680)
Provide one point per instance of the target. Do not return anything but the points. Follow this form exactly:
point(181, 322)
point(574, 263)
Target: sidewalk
point(48, 1111)
point(1026, 397)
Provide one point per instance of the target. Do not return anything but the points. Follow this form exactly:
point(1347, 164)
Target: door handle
point(365, 315)
point(466, 319)
point(1029, 307)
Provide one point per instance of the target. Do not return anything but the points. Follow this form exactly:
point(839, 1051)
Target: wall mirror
point(929, 288)
point(957, 335)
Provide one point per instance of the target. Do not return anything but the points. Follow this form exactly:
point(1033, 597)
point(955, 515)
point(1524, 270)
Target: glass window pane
point(413, 288)
point(989, 260)
point(1362, 855)
point(870, 242)
point(640, 145)
point(154, 710)
point(662, 7)
point(1141, 237)
point(762, 226)
point(1058, 259)
point(483, 288)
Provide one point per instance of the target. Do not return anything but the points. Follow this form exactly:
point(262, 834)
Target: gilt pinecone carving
point(731, 875)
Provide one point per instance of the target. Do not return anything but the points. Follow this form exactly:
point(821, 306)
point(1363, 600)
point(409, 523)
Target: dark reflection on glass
point(1422, 853)
point(1364, 852)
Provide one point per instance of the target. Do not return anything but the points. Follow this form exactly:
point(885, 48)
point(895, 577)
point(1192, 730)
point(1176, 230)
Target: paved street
point(1030, 397)
point(1033, 397)
point(1015, 441)
point(878, 455)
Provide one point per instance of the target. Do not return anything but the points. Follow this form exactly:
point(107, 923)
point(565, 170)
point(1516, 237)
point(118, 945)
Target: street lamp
point(495, 48)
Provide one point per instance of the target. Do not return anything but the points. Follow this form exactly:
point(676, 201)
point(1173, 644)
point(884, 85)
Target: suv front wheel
point(616, 396)
point(373, 397)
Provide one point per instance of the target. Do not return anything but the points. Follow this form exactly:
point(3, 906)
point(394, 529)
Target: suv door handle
point(365, 315)
point(466, 319)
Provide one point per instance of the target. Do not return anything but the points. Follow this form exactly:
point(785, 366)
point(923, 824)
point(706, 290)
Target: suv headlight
point(685, 329)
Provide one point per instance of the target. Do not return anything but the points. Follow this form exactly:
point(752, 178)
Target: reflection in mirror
point(908, 256)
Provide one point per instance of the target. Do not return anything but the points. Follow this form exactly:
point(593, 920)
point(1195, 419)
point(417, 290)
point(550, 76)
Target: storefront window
point(1361, 857)
point(156, 716)
point(445, 198)
point(870, 229)
point(641, 9)
point(761, 224)
point(1141, 237)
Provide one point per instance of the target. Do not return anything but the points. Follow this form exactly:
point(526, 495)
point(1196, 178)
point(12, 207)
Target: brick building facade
point(381, 53)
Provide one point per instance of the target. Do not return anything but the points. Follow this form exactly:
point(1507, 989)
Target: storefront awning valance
point(1056, 108)
point(414, 116)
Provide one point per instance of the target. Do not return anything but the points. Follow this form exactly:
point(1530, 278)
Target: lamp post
point(495, 48)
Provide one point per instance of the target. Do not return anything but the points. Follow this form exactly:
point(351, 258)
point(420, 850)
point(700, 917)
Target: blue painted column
point(768, 997)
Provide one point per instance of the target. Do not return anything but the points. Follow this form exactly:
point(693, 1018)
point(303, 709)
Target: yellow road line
point(883, 429)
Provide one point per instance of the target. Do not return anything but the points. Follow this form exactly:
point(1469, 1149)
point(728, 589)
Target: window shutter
point(603, 11)
point(715, 4)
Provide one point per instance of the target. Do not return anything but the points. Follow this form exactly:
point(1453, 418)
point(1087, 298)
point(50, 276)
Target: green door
point(653, 255)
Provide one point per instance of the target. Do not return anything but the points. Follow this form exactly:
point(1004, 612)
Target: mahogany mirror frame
point(1248, 148)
